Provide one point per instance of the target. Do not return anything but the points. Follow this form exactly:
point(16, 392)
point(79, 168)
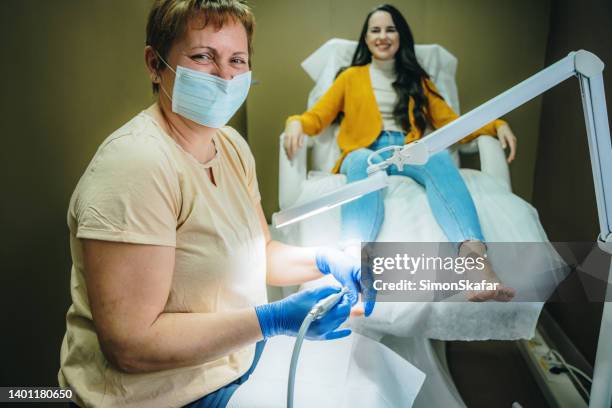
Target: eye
point(238, 61)
point(375, 30)
point(391, 29)
point(204, 57)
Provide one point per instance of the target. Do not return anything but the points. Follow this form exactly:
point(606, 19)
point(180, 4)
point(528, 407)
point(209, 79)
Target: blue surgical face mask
point(207, 99)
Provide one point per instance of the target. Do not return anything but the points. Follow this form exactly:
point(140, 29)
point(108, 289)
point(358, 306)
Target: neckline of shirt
point(209, 164)
point(386, 66)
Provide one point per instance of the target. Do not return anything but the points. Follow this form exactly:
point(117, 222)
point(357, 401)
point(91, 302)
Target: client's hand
point(286, 316)
point(294, 138)
point(347, 271)
point(507, 139)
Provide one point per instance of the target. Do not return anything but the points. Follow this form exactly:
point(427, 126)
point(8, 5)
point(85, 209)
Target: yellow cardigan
point(352, 94)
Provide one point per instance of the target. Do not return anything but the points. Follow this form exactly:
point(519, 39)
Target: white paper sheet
point(505, 217)
point(351, 372)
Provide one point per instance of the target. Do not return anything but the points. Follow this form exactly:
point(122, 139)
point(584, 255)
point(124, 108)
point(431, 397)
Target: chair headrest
point(333, 55)
point(323, 65)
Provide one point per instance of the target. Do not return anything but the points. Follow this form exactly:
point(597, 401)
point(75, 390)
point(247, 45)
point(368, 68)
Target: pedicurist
point(170, 248)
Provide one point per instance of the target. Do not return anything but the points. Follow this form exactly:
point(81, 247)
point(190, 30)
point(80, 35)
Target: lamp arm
point(583, 64)
point(500, 105)
point(589, 70)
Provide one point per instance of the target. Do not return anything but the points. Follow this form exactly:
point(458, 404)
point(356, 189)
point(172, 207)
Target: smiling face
point(382, 37)
point(220, 51)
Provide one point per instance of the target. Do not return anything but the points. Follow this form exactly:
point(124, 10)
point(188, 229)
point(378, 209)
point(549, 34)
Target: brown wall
point(564, 194)
point(498, 44)
point(72, 72)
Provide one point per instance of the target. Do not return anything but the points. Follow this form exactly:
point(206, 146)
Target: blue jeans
point(220, 397)
point(448, 196)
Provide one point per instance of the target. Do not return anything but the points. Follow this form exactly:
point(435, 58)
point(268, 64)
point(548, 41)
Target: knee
point(356, 160)
point(360, 155)
point(442, 155)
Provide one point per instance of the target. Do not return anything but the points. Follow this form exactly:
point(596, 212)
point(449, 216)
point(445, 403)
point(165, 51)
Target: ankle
point(472, 247)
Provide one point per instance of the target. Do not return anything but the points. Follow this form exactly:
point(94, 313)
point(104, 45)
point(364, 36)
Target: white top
point(382, 75)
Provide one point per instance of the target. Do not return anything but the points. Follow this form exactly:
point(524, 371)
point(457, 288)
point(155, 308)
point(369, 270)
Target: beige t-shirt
point(142, 187)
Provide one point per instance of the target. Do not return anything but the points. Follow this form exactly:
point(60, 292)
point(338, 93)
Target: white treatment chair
point(408, 328)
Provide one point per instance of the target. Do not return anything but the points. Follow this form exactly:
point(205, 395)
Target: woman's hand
point(507, 139)
point(294, 138)
point(286, 316)
point(346, 270)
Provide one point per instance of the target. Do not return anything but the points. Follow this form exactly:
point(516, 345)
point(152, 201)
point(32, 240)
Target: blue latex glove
point(347, 271)
point(286, 316)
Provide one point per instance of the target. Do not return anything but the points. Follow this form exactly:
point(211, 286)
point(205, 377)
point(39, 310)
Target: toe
point(482, 296)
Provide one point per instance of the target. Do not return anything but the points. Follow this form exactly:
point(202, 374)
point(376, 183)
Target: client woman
point(388, 99)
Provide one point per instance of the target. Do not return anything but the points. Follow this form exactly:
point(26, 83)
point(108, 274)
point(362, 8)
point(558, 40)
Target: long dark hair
point(409, 71)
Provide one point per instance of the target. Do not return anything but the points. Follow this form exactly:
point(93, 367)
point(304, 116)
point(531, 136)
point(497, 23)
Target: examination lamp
point(588, 68)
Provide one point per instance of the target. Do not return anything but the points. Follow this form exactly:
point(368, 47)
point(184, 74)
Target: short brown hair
point(168, 19)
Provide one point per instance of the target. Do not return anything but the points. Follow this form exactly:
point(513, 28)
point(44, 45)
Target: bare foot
point(476, 249)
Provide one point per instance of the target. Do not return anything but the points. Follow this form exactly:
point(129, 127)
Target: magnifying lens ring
point(378, 153)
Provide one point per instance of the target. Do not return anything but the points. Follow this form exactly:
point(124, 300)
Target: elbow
point(270, 280)
point(127, 364)
point(124, 356)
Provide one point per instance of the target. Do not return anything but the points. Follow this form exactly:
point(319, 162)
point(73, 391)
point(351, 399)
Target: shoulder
point(349, 78)
point(133, 163)
point(133, 158)
point(138, 144)
point(230, 136)
point(239, 149)
point(354, 72)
